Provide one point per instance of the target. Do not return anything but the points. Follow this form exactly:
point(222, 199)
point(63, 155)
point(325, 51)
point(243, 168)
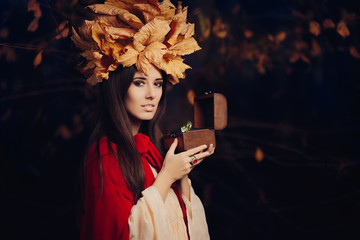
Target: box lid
point(210, 111)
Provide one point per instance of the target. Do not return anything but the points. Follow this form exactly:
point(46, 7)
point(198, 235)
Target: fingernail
point(195, 161)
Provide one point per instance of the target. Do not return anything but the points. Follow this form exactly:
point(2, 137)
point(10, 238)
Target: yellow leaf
point(143, 64)
point(123, 14)
point(177, 26)
point(149, 11)
point(314, 28)
point(259, 155)
point(38, 59)
point(185, 47)
point(120, 33)
point(154, 31)
point(174, 67)
point(342, 29)
point(129, 56)
point(155, 52)
point(167, 9)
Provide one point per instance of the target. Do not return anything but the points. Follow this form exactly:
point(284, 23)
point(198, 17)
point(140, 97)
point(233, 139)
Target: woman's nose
point(150, 92)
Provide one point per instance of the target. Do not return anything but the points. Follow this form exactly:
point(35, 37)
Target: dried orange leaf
point(143, 64)
point(80, 43)
point(38, 58)
point(129, 57)
point(149, 11)
point(174, 67)
point(342, 29)
point(124, 15)
point(154, 31)
point(354, 52)
point(120, 33)
point(328, 23)
point(188, 31)
point(314, 28)
point(259, 155)
point(155, 52)
point(185, 47)
point(177, 26)
point(167, 9)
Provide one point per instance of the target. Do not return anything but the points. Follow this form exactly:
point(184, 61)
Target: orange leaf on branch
point(38, 59)
point(342, 29)
point(34, 6)
point(314, 28)
point(354, 52)
point(328, 24)
point(281, 36)
point(62, 31)
point(259, 155)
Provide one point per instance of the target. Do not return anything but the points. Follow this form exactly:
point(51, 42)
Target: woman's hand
point(178, 166)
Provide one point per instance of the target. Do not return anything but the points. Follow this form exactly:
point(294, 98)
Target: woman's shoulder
point(100, 148)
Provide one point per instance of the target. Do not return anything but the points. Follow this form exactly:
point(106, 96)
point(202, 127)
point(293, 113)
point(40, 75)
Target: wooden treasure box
point(210, 114)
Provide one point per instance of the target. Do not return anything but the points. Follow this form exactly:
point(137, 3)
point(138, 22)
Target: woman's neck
point(135, 125)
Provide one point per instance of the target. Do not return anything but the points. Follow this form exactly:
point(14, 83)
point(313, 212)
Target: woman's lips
point(148, 107)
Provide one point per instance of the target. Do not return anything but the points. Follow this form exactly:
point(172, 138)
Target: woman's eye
point(138, 83)
point(159, 84)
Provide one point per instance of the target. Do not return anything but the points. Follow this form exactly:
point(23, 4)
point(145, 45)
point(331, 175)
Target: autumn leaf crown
point(128, 32)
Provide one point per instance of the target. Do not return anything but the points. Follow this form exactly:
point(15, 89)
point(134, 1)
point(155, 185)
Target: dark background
point(303, 116)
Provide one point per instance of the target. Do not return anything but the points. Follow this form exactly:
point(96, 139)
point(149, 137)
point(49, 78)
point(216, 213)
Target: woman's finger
point(173, 146)
point(195, 150)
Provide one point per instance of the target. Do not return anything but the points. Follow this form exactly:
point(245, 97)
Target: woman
point(130, 190)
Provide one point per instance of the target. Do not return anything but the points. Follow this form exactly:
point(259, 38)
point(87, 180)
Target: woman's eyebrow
point(141, 78)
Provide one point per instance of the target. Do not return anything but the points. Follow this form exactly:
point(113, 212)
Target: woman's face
point(143, 96)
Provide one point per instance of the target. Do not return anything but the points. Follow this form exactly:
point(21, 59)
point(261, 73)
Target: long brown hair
point(114, 123)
